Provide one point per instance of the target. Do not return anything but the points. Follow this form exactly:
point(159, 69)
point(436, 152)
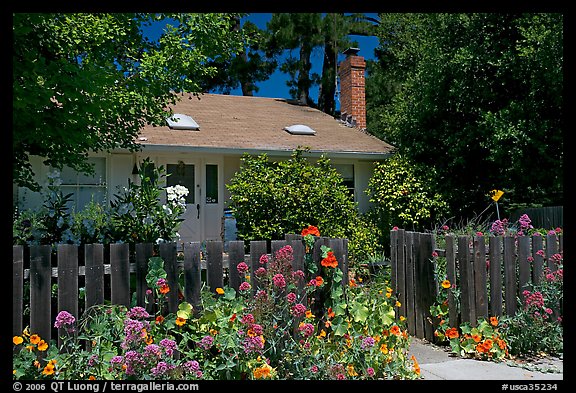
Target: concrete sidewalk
point(437, 363)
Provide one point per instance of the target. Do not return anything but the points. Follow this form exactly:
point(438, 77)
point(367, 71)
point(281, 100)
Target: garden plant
point(262, 331)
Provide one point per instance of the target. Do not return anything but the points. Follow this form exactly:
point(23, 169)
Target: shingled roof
point(237, 124)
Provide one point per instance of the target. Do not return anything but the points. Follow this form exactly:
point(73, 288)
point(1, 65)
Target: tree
point(307, 32)
point(479, 98)
point(90, 82)
point(245, 69)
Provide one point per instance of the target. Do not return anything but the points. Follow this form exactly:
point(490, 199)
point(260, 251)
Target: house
point(202, 145)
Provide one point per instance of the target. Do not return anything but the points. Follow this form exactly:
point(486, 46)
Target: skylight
point(179, 121)
point(300, 129)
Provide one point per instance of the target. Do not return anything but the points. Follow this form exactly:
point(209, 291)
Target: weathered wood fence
point(114, 263)
point(490, 275)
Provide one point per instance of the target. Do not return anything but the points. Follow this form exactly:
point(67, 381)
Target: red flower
point(330, 260)
point(311, 230)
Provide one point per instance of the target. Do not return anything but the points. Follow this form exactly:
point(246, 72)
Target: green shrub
point(271, 199)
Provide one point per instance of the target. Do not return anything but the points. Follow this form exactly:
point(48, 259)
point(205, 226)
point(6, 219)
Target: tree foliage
point(244, 70)
point(90, 82)
point(404, 194)
point(478, 97)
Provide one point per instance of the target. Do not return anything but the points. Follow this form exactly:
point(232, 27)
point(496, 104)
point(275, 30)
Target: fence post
point(17, 289)
point(466, 281)
point(453, 312)
point(480, 278)
point(67, 282)
point(510, 275)
point(538, 263)
point(193, 275)
point(409, 269)
point(94, 274)
point(495, 255)
point(40, 286)
point(425, 285)
point(257, 249)
point(337, 247)
point(143, 252)
point(120, 274)
point(551, 249)
point(235, 256)
point(168, 254)
point(400, 273)
point(214, 271)
point(524, 272)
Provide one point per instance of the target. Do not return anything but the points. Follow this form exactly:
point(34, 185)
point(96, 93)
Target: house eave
point(362, 155)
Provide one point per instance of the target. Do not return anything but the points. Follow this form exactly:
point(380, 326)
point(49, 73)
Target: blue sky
point(276, 85)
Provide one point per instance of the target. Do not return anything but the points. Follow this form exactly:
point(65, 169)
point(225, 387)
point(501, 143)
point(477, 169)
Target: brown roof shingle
point(255, 123)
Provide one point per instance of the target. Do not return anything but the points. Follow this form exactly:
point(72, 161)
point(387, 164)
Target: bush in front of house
point(271, 199)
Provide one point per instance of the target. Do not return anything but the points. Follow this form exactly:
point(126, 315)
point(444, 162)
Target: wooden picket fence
point(490, 275)
point(107, 272)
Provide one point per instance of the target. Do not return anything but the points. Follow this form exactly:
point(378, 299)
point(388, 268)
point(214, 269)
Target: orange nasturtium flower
point(180, 321)
point(34, 339)
point(319, 281)
point(219, 291)
point(42, 345)
point(330, 260)
point(311, 230)
point(452, 333)
point(395, 330)
point(164, 289)
point(446, 284)
point(477, 337)
point(17, 340)
point(494, 321)
point(331, 313)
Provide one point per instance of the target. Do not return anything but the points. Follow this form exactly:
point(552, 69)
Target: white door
point(187, 174)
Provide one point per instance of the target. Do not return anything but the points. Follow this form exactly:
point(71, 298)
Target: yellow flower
point(180, 321)
point(388, 294)
point(384, 349)
point(213, 332)
point(398, 304)
point(264, 371)
point(17, 340)
point(496, 194)
point(42, 345)
point(309, 314)
point(322, 334)
point(351, 371)
point(34, 339)
point(49, 369)
point(219, 291)
point(446, 284)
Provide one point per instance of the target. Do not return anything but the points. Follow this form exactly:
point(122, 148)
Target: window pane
point(99, 177)
point(211, 183)
point(183, 175)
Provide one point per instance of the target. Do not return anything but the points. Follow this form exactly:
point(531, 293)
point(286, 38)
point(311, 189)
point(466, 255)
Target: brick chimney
point(352, 88)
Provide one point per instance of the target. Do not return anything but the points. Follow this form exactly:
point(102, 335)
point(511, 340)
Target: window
point(347, 173)
point(183, 175)
point(85, 188)
point(211, 183)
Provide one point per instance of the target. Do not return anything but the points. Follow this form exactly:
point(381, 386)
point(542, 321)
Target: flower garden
point(296, 325)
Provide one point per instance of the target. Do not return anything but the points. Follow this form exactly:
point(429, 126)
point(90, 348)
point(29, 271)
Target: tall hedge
point(270, 199)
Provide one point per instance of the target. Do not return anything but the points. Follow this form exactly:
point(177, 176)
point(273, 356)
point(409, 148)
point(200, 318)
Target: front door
point(204, 205)
point(187, 174)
